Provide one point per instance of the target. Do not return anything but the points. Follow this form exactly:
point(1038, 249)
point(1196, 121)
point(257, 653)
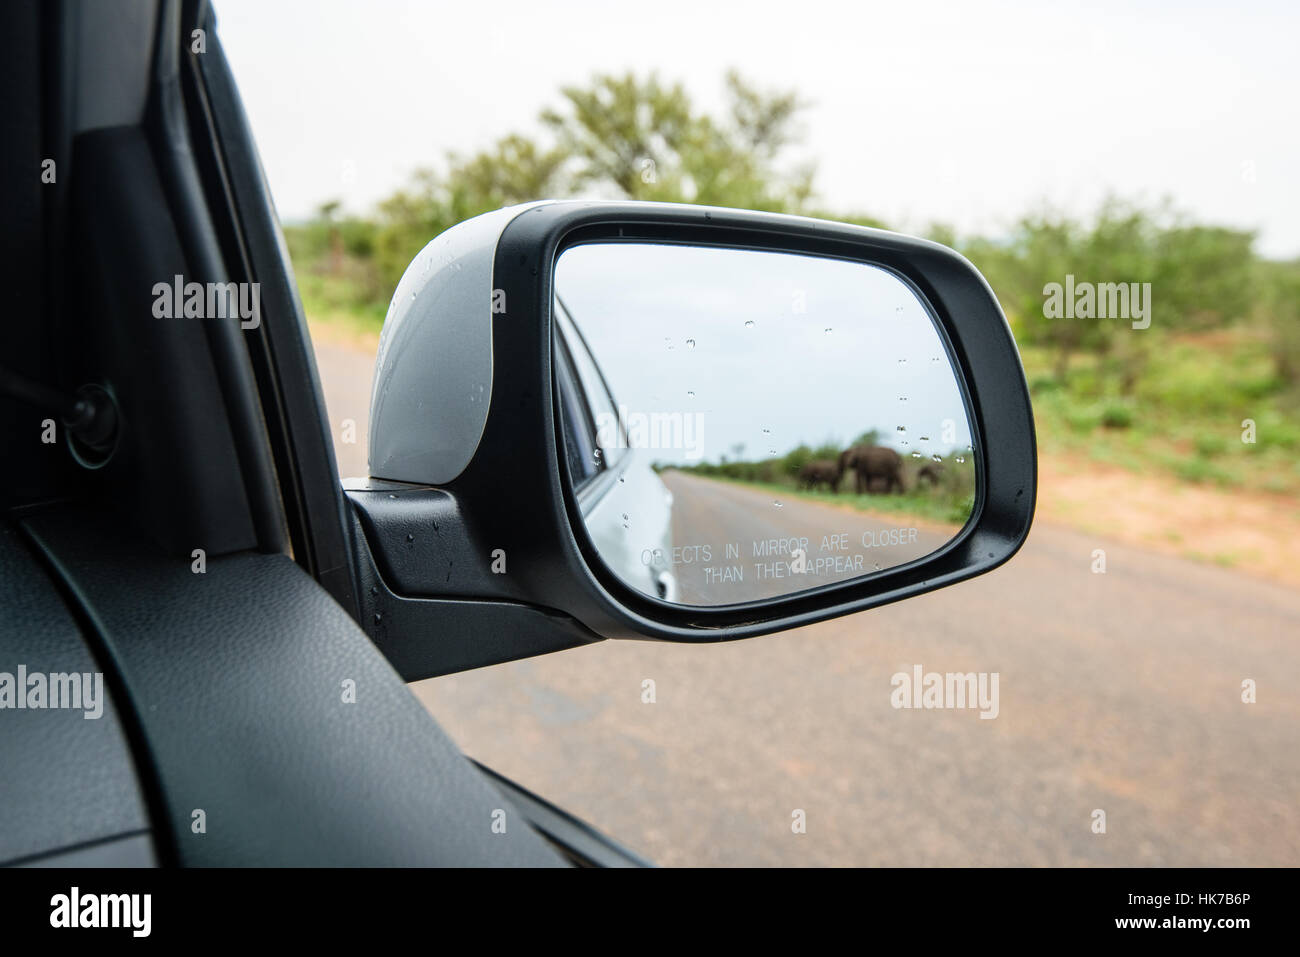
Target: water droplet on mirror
point(961, 459)
point(902, 428)
point(925, 438)
point(622, 479)
point(778, 504)
point(596, 455)
point(690, 343)
point(690, 394)
point(828, 330)
point(916, 455)
point(937, 458)
point(767, 431)
point(749, 323)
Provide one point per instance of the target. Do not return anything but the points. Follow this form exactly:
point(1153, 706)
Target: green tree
point(1279, 304)
point(641, 138)
point(515, 170)
point(627, 136)
point(1200, 277)
point(624, 131)
point(512, 170)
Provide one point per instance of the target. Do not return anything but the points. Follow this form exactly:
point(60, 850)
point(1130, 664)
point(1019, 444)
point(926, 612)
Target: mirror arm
point(466, 616)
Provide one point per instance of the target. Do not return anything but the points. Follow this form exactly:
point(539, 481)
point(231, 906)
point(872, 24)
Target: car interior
point(201, 556)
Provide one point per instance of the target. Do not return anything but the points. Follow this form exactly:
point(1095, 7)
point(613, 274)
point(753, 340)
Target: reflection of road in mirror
point(732, 544)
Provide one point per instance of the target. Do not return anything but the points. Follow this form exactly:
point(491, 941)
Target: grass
point(1185, 416)
point(940, 505)
point(336, 305)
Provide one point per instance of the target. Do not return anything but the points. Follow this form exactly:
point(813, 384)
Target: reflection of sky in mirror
point(835, 348)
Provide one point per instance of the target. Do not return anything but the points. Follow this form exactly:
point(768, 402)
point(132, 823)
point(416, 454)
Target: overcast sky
point(963, 112)
point(769, 350)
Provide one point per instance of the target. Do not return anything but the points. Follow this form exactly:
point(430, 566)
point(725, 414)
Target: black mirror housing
point(466, 370)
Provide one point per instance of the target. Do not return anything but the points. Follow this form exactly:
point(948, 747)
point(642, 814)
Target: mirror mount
point(428, 601)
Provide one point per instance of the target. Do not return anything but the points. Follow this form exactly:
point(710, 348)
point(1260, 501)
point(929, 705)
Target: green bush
point(1273, 430)
point(1082, 418)
point(1044, 384)
point(1117, 415)
point(1209, 444)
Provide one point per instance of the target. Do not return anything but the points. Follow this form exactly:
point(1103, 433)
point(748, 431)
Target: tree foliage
point(642, 137)
point(1200, 277)
point(618, 136)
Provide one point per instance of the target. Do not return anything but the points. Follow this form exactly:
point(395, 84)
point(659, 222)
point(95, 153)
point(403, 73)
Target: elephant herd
point(875, 468)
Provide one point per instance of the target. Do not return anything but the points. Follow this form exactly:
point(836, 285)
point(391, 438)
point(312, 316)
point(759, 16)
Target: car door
point(616, 480)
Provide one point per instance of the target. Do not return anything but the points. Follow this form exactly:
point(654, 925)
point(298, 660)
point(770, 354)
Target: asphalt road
point(763, 532)
point(1118, 692)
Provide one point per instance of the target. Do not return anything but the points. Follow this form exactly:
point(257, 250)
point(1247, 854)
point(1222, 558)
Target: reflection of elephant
point(874, 466)
point(821, 470)
point(932, 473)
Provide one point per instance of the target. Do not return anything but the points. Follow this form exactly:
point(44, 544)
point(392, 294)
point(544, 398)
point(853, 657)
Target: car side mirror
point(683, 423)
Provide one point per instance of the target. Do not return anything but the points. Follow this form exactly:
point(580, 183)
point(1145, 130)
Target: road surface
point(1119, 692)
point(764, 532)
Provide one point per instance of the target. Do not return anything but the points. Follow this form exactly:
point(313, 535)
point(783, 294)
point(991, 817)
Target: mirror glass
point(744, 424)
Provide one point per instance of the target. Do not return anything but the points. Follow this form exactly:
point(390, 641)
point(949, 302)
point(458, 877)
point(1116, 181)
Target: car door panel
point(68, 781)
point(240, 677)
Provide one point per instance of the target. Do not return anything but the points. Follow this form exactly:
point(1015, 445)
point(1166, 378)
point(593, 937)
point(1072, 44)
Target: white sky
point(964, 112)
point(835, 349)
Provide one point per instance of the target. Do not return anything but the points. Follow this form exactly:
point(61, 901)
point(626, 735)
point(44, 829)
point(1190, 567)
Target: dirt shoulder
point(339, 329)
point(1249, 531)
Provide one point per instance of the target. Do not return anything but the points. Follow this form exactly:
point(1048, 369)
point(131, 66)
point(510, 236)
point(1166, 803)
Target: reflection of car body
point(626, 508)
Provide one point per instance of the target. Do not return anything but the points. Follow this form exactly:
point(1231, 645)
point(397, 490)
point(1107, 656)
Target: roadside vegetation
point(1208, 394)
point(944, 494)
